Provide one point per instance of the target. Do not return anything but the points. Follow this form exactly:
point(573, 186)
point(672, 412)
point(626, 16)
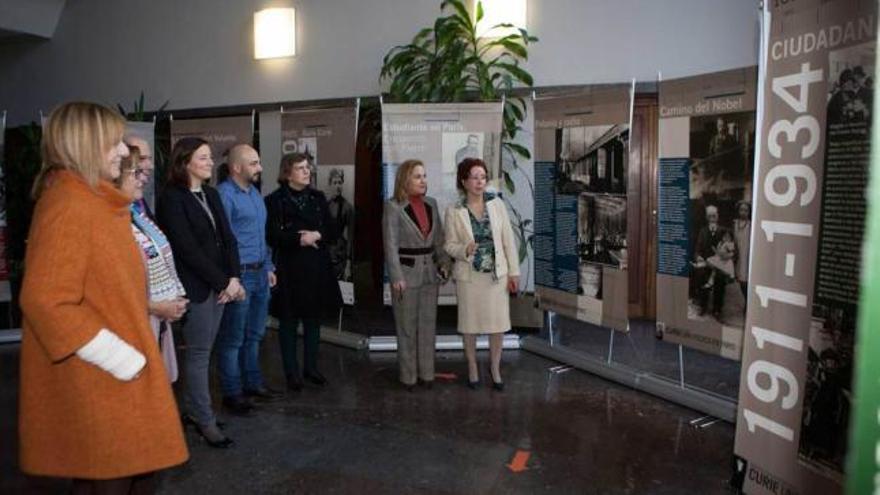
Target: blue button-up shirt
point(247, 217)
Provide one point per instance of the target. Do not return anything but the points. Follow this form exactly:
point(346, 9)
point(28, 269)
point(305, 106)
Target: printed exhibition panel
point(441, 135)
point(221, 133)
point(707, 154)
point(581, 161)
point(328, 137)
point(813, 156)
point(147, 132)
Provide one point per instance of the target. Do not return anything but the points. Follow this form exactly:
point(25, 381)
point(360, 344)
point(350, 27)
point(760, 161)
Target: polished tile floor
point(547, 432)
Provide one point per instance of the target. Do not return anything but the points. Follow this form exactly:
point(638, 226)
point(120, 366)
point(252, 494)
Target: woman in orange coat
point(95, 403)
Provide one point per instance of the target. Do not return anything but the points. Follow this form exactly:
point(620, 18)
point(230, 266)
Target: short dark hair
point(464, 171)
point(180, 156)
point(287, 163)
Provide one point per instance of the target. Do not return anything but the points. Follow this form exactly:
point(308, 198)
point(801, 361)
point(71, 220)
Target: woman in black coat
point(206, 256)
point(299, 231)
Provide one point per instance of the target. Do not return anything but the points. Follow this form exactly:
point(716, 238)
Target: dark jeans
point(287, 338)
point(241, 332)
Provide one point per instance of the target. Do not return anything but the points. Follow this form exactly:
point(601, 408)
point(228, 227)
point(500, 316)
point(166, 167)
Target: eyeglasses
point(136, 173)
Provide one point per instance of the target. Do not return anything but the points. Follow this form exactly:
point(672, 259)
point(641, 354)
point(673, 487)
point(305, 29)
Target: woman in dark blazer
point(299, 231)
point(417, 264)
point(206, 256)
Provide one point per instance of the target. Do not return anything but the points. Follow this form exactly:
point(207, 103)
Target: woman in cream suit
point(480, 240)
point(417, 264)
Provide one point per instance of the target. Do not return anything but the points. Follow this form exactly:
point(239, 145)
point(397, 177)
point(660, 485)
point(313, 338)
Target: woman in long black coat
point(299, 230)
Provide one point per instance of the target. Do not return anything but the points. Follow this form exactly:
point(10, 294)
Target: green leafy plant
point(450, 62)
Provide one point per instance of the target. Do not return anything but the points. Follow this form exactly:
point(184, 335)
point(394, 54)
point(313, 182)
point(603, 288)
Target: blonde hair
point(77, 136)
point(404, 172)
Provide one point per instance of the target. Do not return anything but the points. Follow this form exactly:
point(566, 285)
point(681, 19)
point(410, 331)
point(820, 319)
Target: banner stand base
point(694, 398)
point(384, 343)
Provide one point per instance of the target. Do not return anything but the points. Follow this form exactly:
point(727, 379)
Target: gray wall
point(199, 53)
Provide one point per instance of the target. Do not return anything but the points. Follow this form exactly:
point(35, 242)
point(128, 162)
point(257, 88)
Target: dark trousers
point(287, 338)
point(717, 290)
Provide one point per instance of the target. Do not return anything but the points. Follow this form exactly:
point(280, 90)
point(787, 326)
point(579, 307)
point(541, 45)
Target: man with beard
point(342, 213)
point(244, 322)
point(708, 239)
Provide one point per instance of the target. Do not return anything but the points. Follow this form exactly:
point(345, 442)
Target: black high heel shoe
point(473, 384)
point(188, 420)
point(498, 386)
point(223, 442)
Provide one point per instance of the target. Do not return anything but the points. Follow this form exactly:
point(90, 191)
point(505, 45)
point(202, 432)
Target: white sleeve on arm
point(113, 355)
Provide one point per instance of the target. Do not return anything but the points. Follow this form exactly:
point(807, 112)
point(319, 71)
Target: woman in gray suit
point(417, 264)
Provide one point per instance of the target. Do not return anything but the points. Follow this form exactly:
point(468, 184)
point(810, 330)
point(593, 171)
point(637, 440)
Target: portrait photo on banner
point(337, 184)
point(722, 157)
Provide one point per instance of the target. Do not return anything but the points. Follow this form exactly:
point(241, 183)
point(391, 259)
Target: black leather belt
point(250, 267)
point(415, 251)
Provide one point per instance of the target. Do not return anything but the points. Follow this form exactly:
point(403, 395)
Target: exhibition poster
point(441, 135)
point(816, 99)
point(327, 137)
point(581, 161)
point(704, 208)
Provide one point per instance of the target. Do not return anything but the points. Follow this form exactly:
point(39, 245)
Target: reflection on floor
point(547, 432)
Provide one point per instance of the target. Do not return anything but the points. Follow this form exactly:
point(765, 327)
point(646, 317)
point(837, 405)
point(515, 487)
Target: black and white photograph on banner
point(828, 389)
point(851, 86)
point(337, 183)
point(590, 280)
point(722, 154)
point(602, 230)
point(592, 159)
point(460, 145)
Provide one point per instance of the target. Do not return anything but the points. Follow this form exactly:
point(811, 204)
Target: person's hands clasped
point(309, 238)
point(233, 292)
point(172, 310)
point(471, 247)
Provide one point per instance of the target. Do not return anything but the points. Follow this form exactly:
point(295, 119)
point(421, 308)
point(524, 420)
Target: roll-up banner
point(707, 151)
point(581, 161)
point(327, 137)
point(221, 133)
point(440, 135)
point(816, 95)
point(147, 132)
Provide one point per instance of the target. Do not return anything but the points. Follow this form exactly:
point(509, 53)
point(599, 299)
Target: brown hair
point(128, 164)
point(182, 153)
point(77, 136)
point(286, 166)
point(464, 171)
point(404, 172)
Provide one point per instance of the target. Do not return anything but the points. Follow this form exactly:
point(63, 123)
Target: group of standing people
point(475, 243)
point(106, 278)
